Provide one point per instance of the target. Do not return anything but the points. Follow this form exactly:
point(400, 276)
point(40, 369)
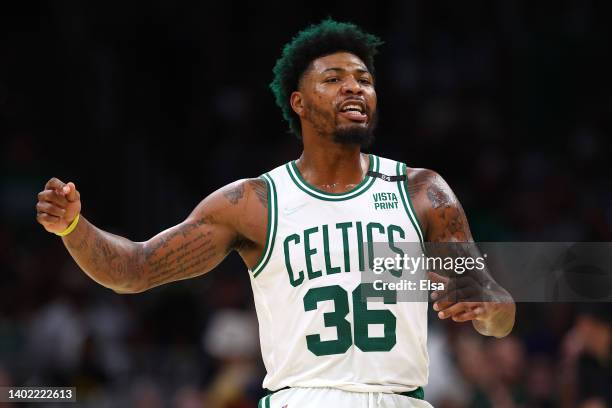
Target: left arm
point(443, 220)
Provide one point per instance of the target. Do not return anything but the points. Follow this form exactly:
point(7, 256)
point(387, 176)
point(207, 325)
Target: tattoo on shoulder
point(415, 187)
point(418, 180)
point(437, 196)
point(448, 222)
point(261, 190)
point(235, 194)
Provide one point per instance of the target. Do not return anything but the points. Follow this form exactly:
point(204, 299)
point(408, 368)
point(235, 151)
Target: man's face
point(337, 98)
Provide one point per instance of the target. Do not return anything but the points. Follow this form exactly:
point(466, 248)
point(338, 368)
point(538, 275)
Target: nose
point(351, 86)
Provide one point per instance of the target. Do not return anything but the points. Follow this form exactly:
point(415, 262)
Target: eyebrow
point(359, 70)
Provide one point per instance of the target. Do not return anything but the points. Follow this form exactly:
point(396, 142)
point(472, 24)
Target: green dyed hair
point(314, 42)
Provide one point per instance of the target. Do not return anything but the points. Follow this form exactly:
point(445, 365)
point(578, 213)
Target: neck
point(331, 166)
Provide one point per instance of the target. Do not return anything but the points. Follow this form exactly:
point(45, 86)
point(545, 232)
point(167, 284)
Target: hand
point(460, 300)
point(465, 298)
point(58, 205)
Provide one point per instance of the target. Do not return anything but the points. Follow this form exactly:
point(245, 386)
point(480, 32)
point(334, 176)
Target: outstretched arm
point(445, 221)
point(189, 249)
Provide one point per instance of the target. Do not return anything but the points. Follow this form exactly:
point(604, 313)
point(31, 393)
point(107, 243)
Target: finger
point(53, 197)
point(54, 184)
point(465, 316)
point(442, 304)
point(71, 192)
point(49, 208)
point(473, 312)
point(459, 289)
point(466, 294)
point(47, 219)
point(453, 310)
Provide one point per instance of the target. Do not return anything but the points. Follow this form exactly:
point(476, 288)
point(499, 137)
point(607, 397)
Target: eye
point(331, 79)
point(365, 81)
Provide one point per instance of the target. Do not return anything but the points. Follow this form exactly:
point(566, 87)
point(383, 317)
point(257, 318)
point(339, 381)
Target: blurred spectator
point(146, 393)
point(446, 388)
point(588, 357)
point(232, 338)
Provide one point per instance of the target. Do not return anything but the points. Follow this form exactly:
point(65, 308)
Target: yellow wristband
point(70, 228)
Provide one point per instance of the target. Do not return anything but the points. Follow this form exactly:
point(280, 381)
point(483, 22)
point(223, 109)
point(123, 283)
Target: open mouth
point(354, 110)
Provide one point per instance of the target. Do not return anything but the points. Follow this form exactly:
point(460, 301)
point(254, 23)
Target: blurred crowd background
point(150, 107)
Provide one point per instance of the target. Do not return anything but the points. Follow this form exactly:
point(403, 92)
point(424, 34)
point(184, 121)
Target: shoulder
point(420, 176)
point(239, 192)
point(249, 214)
point(235, 203)
point(240, 207)
point(430, 184)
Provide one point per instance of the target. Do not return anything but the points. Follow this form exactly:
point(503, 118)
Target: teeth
point(352, 107)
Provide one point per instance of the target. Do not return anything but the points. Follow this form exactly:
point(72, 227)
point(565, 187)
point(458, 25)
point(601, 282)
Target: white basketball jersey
point(315, 328)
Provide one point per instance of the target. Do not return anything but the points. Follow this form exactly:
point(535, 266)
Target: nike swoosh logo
point(291, 210)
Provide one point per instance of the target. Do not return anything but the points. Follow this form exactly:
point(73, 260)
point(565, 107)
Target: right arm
point(189, 249)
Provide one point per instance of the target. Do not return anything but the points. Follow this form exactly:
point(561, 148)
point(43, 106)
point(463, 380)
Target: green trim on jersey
point(404, 171)
point(272, 226)
point(405, 196)
point(418, 393)
point(264, 402)
point(303, 185)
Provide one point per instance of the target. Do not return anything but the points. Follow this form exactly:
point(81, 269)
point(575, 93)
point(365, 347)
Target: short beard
point(356, 135)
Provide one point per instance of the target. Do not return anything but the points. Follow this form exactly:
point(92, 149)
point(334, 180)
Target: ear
point(297, 102)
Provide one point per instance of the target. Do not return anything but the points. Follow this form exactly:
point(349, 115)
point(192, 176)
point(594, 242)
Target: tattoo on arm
point(235, 194)
point(184, 251)
point(448, 222)
point(81, 245)
point(107, 257)
point(260, 188)
point(169, 262)
point(437, 197)
point(183, 230)
point(415, 188)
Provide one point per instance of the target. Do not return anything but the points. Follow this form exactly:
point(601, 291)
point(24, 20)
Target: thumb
point(70, 192)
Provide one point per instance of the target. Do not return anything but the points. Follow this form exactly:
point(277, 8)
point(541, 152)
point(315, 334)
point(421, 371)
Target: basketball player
point(300, 230)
